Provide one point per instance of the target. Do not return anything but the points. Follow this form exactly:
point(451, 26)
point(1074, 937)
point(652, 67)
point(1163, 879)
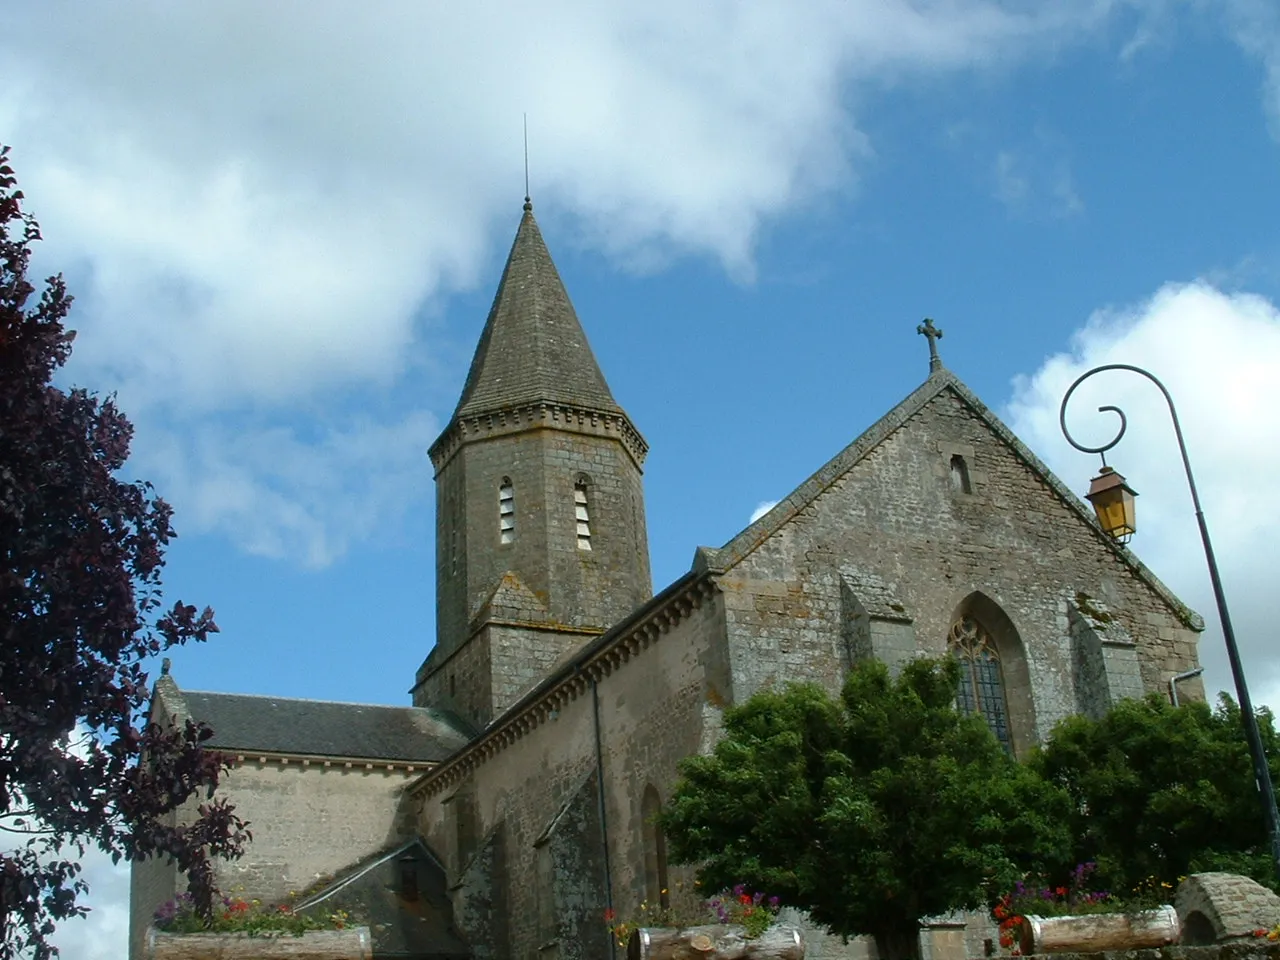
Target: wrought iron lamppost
point(1113, 502)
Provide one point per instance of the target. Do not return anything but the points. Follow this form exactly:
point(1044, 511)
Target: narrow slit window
point(960, 475)
point(581, 515)
point(506, 512)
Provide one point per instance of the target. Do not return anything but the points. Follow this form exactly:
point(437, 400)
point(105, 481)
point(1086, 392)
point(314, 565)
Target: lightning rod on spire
point(528, 204)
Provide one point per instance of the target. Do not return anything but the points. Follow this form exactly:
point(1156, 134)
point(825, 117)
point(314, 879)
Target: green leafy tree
point(869, 811)
point(1161, 791)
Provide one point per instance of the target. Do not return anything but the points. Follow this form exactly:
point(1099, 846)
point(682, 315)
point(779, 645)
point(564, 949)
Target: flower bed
point(1044, 919)
point(243, 929)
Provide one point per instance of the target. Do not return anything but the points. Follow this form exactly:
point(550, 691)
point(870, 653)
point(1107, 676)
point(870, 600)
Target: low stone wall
point(1252, 949)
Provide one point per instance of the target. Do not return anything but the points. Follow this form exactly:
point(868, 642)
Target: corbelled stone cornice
point(531, 416)
point(598, 660)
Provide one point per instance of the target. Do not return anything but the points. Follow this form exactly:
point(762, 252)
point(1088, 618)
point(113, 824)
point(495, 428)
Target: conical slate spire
point(532, 348)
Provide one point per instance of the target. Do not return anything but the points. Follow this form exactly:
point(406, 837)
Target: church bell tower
point(540, 523)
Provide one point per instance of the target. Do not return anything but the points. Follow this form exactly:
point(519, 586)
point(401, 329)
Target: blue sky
point(284, 226)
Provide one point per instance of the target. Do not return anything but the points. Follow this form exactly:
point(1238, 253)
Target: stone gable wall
point(898, 517)
point(152, 882)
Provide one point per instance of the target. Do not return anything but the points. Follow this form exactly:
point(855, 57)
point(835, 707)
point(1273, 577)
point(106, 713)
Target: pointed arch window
point(981, 687)
point(581, 513)
point(506, 511)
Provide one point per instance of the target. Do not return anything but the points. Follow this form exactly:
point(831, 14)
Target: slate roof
point(532, 348)
point(325, 728)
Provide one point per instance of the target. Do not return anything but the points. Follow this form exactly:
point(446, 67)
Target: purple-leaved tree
point(81, 552)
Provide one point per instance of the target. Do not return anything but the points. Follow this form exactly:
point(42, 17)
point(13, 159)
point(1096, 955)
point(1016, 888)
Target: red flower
point(744, 900)
point(1061, 891)
point(610, 915)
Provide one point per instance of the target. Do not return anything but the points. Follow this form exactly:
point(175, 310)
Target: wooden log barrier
point(352, 943)
point(715, 942)
point(1100, 931)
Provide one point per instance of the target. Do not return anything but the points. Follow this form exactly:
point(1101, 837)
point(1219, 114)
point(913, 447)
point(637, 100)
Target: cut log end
point(715, 943)
point(1101, 931)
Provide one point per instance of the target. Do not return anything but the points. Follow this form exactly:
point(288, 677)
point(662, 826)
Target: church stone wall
point(581, 588)
point(654, 711)
point(600, 586)
point(899, 517)
point(461, 681)
point(309, 822)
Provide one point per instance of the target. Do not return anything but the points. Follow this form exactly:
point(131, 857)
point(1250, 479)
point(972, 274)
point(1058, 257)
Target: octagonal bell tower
point(540, 522)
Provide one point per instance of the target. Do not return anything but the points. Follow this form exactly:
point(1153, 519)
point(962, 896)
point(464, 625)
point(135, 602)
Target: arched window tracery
point(981, 689)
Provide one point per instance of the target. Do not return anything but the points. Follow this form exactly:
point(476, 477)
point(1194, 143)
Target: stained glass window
point(981, 687)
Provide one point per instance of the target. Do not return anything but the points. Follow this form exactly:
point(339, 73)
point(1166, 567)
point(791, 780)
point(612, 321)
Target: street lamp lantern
point(1112, 501)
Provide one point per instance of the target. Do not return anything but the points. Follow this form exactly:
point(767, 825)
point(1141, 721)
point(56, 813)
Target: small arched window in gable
point(960, 475)
point(981, 687)
point(581, 513)
point(506, 511)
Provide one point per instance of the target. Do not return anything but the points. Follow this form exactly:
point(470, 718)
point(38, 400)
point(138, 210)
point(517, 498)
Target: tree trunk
point(1100, 931)
point(715, 942)
point(899, 945)
point(350, 944)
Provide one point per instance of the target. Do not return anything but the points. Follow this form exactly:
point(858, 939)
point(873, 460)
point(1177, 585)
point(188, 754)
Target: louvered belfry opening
point(582, 515)
point(506, 512)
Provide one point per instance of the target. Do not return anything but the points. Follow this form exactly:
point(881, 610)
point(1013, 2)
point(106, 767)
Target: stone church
point(512, 803)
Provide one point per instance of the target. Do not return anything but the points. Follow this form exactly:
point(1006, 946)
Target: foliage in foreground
point(79, 613)
point(1161, 792)
point(869, 811)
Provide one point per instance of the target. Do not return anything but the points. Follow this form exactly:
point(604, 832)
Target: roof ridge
point(336, 703)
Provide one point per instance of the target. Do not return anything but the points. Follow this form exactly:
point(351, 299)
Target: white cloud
point(1255, 26)
point(1012, 187)
point(763, 507)
point(1218, 354)
point(256, 201)
point(274, 490)
point(1035, 180)
point(104, 933)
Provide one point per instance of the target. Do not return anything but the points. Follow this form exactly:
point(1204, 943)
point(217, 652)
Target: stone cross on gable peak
point(934, 334)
